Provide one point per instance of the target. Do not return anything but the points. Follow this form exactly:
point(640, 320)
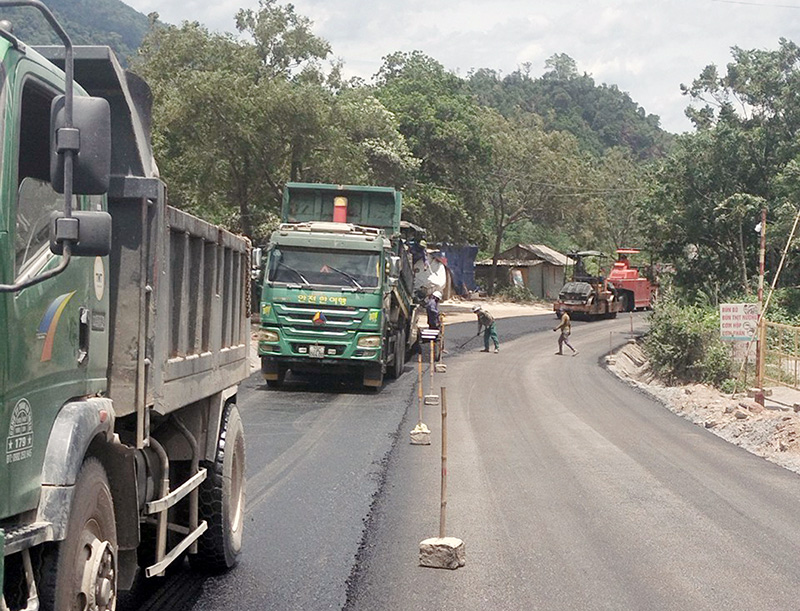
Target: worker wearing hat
point(432, 308)
point(486, 322)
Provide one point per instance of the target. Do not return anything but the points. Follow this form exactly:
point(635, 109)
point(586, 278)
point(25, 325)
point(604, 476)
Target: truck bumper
point(275, 367)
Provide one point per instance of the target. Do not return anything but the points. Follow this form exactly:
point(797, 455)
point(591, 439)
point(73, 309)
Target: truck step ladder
point(159, 508)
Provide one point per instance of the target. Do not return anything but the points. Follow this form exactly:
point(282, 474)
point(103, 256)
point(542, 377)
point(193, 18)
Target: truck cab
point(55, 337)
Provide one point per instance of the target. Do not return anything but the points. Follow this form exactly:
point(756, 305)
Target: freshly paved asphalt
point(570, 490)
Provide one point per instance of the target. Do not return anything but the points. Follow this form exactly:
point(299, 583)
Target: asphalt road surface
point(570, 490)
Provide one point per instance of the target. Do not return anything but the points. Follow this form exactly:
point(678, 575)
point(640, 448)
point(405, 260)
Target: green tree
point(439, 120)
point(741, 157)
point(531, 175)
point(619, 186)
point(601, 117)
point(235, 118)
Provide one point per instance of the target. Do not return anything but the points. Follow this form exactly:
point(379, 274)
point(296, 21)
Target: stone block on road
point(421, 435)
point(445, 553)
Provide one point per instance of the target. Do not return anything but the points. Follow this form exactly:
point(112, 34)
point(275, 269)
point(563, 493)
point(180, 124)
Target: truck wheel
point(399, 354)
point(80, 572)
point(222, 497)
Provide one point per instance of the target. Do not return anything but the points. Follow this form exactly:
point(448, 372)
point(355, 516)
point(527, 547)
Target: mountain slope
point(95, 22)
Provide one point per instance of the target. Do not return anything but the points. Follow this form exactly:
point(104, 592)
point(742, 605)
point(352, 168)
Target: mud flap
point(373, 375)
point(270, 369)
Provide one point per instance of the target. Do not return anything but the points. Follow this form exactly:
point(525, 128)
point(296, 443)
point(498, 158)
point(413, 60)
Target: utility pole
point(760, 347)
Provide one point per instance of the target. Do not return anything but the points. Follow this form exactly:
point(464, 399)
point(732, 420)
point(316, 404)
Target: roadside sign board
point(738, 321)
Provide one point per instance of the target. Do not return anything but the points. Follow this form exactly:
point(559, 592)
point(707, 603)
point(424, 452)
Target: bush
point(517, 294)
point(684, 346)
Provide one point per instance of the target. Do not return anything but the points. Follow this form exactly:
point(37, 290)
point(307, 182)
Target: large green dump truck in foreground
point(124, 336)
point(337, 292)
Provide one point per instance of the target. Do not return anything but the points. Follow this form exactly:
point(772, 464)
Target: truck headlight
point(369, 341)
point(268, 335)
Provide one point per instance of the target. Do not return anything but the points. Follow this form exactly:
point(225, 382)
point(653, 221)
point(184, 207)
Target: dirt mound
point(771, 432)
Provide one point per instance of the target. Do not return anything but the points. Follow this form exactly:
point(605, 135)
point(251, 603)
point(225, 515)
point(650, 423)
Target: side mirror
point(93, 233)
point(90, 136)
point(256, 258)
point(394, 266)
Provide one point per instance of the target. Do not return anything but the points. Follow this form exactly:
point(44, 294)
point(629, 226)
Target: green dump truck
point(124, 336)
point(337, 292)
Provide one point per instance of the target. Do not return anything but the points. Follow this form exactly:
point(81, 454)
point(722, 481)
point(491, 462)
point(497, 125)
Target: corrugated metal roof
point(548, 254)
point(511, 262)
point(542, 253)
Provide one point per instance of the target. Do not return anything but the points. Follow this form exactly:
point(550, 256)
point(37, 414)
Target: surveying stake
point(420, 434)
point(443, 552)
point(430, 336)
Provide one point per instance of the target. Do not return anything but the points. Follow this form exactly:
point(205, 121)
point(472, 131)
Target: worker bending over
point(486, 321)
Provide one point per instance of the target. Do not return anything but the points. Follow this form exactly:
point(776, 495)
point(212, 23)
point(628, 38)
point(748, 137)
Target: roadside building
point(538, 268)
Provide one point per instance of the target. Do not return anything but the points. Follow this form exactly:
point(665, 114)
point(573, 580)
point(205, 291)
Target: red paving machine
point(634, 292)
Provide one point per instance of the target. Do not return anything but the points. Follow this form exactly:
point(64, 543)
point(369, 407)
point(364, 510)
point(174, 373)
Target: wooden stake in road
point(443, 552)
point(443, 501)
point(431, 335)
point(420, 434)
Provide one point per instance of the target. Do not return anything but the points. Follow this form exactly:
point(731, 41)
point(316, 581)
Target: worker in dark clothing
point(432, 308)
point(486, 322)
point(566, 328)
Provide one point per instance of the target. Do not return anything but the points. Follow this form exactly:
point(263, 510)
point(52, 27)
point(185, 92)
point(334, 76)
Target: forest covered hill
point(600, 116)
point(88, 22)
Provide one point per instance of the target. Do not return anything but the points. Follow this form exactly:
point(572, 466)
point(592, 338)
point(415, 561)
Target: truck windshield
point(340, 268)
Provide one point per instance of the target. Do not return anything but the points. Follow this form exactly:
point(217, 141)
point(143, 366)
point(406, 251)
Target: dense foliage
point(684, 345)
point(742, 158)
point(488, 159)
point(600, 117)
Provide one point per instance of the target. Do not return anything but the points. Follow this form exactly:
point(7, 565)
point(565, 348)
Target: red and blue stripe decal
point(49, 323)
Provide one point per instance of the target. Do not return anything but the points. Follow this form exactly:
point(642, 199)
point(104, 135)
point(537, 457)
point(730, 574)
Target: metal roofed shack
point(535, 266)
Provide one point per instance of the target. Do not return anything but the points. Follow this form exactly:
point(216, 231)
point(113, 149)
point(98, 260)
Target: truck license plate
point(316, 351)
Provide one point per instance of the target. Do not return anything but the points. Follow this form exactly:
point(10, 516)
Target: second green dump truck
point(338, 282)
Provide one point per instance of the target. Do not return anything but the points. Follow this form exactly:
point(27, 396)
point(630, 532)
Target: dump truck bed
point(179, 286)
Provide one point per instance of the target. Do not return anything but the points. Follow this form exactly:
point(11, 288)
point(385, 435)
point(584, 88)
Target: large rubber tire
point(222, 499)
point(80, 572)
point(399, 355)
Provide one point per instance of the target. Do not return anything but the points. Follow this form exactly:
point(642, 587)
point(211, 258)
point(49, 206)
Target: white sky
point(645, 47)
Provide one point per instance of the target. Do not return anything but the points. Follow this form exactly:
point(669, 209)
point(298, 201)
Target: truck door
point(48, 324)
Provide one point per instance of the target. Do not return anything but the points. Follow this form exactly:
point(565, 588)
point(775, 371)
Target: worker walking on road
point(486, 321)
point(566, 327)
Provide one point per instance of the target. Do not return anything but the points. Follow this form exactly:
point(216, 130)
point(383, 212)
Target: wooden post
point(419, 383)
point(443, 504)
point(431, 351)
point(443, 552)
